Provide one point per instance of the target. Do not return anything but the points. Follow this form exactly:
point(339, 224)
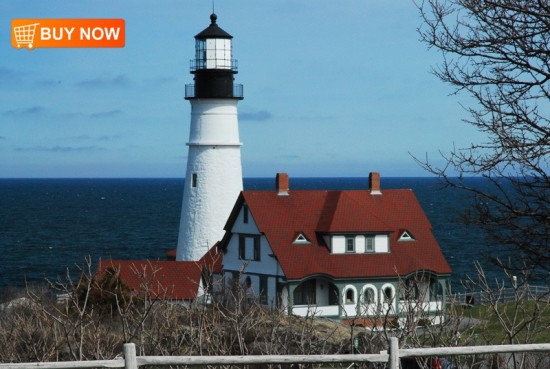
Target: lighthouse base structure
point(213, 179)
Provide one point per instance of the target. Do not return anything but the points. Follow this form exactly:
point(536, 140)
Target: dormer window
point(301, 239)
point(359, 243)
point(369, 244)
point(406, 236)
point(350, 244)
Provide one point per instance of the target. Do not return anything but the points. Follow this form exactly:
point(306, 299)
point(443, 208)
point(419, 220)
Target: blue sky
point(332, 88)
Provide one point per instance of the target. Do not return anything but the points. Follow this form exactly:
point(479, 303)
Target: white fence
point(131, 361)
point(504, 295)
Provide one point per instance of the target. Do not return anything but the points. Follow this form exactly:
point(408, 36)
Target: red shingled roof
point(212, 260)
point(171, 280)
point(316, 213)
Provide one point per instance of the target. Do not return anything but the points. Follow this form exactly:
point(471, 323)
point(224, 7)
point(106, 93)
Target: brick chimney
point(282, 184)
point(374, 183)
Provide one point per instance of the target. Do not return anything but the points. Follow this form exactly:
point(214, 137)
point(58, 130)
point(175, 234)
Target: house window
point(333, 295)
point(245, 214)
point(249, 247)
point(350, 244)
point(263, 290)
point(369, 244)
point(350, 296)
point(411, 291)
point(388, 294)
point(437, 290)
point(369, 296)
point(194, 180)
point(304, 294)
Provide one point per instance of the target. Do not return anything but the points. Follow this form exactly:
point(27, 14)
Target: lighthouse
point(213, 178)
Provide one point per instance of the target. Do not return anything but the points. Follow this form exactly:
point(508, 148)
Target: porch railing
point(317, 310)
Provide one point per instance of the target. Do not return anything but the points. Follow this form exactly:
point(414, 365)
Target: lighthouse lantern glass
point(200, 54)
point(213, 53)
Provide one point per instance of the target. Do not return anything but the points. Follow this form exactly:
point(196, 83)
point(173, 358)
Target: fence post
point(130, 361)
point(393, 360)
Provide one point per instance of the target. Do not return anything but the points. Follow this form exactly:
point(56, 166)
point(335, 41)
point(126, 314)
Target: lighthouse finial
point(213, 16)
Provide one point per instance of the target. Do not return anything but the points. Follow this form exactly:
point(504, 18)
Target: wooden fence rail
point(131, 361)
point(504, 295)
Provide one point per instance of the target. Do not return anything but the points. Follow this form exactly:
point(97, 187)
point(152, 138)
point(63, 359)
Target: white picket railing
point(131, 361)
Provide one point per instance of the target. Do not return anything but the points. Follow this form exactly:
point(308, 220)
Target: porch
point(316, 296)
point(419, 296)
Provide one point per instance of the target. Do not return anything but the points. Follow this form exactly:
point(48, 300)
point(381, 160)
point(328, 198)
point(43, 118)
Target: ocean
point(49, 226)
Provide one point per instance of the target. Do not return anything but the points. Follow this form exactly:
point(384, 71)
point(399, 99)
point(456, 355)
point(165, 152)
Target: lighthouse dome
point(213, 30)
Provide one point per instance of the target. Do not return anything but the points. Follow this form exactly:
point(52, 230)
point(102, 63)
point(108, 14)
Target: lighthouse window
point(200, 54)
point(194, 180)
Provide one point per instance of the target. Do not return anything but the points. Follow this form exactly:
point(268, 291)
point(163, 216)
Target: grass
point(516, 322)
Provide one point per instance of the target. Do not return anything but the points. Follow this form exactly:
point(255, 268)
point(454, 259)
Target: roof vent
point(406, 236)
point(374, 183)
point(282, 184)
point(301, 239)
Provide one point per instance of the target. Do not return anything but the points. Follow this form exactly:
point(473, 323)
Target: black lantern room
point(213, 65)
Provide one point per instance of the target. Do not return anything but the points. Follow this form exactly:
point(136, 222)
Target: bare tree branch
point(498, 52)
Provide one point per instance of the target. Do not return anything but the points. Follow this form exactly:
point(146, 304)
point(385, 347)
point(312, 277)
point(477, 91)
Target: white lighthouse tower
point(214, 174)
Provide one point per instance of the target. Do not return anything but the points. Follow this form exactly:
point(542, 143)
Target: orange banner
point(35, 33)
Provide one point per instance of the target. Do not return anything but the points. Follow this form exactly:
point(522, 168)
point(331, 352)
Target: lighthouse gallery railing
point(237, 91)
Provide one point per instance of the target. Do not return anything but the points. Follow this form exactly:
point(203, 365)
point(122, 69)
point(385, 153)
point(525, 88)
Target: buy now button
point(34, 33)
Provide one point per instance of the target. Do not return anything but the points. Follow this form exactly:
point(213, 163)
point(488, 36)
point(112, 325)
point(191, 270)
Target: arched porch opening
point(421, 292)
point(419, 287)
point(316, 295)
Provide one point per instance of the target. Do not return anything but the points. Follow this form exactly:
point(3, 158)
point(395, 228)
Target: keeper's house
point(339, 254)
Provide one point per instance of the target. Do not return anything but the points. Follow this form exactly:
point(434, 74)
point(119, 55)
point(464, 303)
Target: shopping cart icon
point(24, 35)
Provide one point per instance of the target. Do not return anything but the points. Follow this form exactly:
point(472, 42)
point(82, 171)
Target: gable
point(244, 220)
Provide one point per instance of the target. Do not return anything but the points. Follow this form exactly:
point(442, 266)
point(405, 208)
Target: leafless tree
point(498, 53)
point(512, 312)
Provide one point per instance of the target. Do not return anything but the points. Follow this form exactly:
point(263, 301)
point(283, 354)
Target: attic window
point(245, 214)
point(301, 239)
point(406, 236)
